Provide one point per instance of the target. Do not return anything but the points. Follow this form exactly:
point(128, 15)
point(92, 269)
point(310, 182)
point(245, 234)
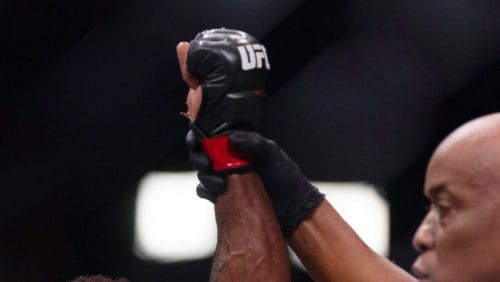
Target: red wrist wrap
point(222, 157)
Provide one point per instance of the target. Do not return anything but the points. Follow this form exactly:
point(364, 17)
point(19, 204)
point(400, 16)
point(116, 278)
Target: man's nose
point(423, 239)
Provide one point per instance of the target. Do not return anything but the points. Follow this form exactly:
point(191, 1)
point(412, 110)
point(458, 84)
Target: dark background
point(90, 96)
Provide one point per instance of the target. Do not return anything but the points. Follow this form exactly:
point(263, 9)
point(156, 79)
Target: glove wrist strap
point(221, 155)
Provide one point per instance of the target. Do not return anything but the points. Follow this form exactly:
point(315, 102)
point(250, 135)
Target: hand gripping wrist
point(293, 197)
point(232, 67)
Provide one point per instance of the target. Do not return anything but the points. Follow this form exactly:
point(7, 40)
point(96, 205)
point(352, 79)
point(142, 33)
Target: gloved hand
point(232, 68)
point(226, 71)
point(293, 197)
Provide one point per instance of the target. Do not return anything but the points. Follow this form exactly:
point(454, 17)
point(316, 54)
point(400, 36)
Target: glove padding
point(293, 197)
point(232, 67)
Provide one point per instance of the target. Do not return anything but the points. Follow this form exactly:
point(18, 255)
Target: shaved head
point(483, 132)
point(474, 149)
point(458, 238)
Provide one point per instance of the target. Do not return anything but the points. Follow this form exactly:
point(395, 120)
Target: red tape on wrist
point(223, 159)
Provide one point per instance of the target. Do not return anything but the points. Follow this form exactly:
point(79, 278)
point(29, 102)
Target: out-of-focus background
point(359, 95)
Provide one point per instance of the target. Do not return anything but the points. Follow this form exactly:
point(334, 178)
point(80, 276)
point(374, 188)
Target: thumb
point(182, 53)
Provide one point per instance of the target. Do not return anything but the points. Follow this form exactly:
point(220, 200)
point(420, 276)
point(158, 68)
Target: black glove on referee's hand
point(292, 195)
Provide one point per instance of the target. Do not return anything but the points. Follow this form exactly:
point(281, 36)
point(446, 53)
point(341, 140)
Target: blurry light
point(173, 224)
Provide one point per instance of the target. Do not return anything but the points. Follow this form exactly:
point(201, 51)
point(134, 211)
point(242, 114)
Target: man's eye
point(443, 210)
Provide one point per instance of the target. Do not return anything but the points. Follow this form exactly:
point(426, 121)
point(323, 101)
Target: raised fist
point(231, 67)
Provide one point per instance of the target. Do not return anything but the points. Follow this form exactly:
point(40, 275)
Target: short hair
point(98, 278)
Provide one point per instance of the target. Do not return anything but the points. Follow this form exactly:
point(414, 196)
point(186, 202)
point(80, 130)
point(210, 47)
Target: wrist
point(299, 207)
point(223, 158)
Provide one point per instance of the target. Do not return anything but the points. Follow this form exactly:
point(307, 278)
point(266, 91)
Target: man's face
point(459, 239)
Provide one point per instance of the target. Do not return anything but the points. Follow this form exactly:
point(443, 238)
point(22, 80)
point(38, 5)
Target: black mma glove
point(232, 67)
point(293, 197)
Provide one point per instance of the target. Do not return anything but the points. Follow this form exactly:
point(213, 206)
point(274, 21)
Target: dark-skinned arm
point(250, 246)
point(331, 251)
point(327, 246)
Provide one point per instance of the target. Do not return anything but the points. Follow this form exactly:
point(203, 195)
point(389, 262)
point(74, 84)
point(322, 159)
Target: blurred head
point(97, 278)
point(459, 238)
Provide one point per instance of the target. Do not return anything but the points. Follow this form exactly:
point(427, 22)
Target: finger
point(194, 97)
point(200, 161)
point(182, 54)
point(192, 142)
point(250, 144)
point(193, 101)
point(213, 182)
point(182, 49)
point(205, 193)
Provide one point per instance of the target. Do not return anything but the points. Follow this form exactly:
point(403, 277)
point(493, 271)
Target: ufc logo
point(253, 56)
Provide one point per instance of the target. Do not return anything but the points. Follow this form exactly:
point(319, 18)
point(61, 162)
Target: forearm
point(250, 246)
point(331, 251)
